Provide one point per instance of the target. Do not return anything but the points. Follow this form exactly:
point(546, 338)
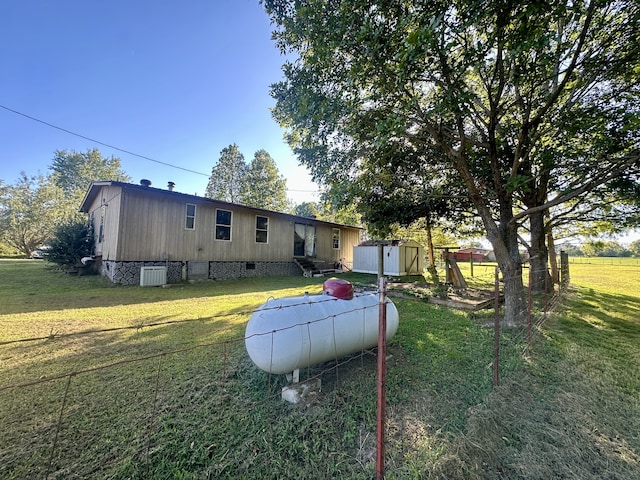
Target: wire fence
point(145, 413)
point(621, 261)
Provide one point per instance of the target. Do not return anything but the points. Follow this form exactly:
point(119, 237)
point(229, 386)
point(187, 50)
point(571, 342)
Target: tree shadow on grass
point(572, 412)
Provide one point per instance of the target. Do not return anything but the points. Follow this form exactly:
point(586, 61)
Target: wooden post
point(564, 269)
point(471, 262)
point(447, 269)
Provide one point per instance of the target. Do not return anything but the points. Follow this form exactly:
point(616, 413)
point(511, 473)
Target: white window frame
point(333, 238)
point(229, 226)
point(103, 213)
point(266, 230)
point(187, 216)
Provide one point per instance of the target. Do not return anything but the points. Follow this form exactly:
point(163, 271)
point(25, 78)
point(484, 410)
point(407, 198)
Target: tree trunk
point(431, 255)
point(515, 306)
point(553, 258)
point(538, 254)
point(432, 258)
point(503, 235)
point(505, 248)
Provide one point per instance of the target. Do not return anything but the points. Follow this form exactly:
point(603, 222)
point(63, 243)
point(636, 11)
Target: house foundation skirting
point(128, 273)
point(229, 270)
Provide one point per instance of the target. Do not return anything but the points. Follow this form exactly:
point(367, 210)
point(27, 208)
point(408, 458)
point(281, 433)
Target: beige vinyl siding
point(155, 226)
point(324, 242)
point(149, 225)
point(349, 237)
point(109, 199)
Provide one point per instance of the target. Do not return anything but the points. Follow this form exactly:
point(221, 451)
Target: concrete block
point(299, 391)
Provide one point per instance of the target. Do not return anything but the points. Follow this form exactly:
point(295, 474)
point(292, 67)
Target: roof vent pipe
point(171, 186)
point(145, 183)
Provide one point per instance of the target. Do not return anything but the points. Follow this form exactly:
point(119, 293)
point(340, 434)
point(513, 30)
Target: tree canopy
point(74, 171)
point(263, 185)
point(257, 184)
point(520, 107)
point(32, 209)
point(227, 176)
point(30, 212)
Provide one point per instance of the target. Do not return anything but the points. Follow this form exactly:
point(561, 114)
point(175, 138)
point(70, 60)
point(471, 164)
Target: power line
point(128, 152)
point(100, 143)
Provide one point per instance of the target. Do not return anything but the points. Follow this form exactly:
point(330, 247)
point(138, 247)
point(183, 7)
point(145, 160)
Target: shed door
point(411, 260)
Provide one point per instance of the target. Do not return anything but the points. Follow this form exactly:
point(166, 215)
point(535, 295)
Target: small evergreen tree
point(70, 243)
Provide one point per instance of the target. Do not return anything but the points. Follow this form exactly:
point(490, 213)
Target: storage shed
point(401, 257)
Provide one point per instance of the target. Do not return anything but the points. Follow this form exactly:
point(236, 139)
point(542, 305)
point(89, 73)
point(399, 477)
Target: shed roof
point(482, 251)
point(391, 243)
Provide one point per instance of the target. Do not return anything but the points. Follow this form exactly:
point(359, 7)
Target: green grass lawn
point(165, 389)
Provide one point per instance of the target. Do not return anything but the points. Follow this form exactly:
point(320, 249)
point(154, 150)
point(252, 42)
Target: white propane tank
point(295, 332)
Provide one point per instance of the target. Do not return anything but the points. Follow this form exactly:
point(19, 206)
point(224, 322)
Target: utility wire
point(99, 142)
point(128, 152)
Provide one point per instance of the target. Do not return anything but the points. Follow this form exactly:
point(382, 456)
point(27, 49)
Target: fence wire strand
point(517, 336)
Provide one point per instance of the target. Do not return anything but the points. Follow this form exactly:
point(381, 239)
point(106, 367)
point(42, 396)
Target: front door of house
point(304, 240)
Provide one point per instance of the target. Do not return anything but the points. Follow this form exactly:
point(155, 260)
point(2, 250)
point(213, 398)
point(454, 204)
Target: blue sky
point(176, 81)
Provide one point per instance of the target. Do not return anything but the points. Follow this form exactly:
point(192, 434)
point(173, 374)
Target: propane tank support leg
point(294, 377)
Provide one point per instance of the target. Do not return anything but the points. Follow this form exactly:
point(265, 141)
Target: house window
point(262, 229)
point(190, 218)
point(223, 225)
point(335, 239)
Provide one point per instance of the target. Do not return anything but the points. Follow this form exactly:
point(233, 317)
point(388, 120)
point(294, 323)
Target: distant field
point(154, 383)
point(631, 261)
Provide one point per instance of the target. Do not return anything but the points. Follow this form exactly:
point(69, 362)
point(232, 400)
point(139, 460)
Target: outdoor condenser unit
point(153, 276)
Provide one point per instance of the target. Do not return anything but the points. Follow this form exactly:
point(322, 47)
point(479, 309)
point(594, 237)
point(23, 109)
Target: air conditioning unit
point(153, 276)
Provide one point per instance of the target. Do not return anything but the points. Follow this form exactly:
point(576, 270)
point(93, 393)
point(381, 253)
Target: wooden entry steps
point(310, 269)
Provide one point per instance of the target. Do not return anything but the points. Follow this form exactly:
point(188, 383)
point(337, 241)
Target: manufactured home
point(139, 229)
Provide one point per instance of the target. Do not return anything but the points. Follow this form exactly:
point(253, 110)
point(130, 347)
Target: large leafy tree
point(263, 186)
point(309, 209)
point(527, 106)
point(257, 184)
point(30, 212)
point(74, 171)
point(227, 176)
point(325, 210)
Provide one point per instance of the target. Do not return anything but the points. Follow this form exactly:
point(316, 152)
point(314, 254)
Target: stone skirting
point(229, 270)
point(128, 273)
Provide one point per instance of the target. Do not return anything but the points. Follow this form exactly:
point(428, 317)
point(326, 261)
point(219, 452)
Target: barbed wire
point(517, 336)
point(203, 345)
point(140, 326)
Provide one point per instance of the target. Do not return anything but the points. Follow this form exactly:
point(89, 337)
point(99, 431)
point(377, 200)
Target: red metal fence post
point(529, 305)
point(382, 365)
point(496, 333)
